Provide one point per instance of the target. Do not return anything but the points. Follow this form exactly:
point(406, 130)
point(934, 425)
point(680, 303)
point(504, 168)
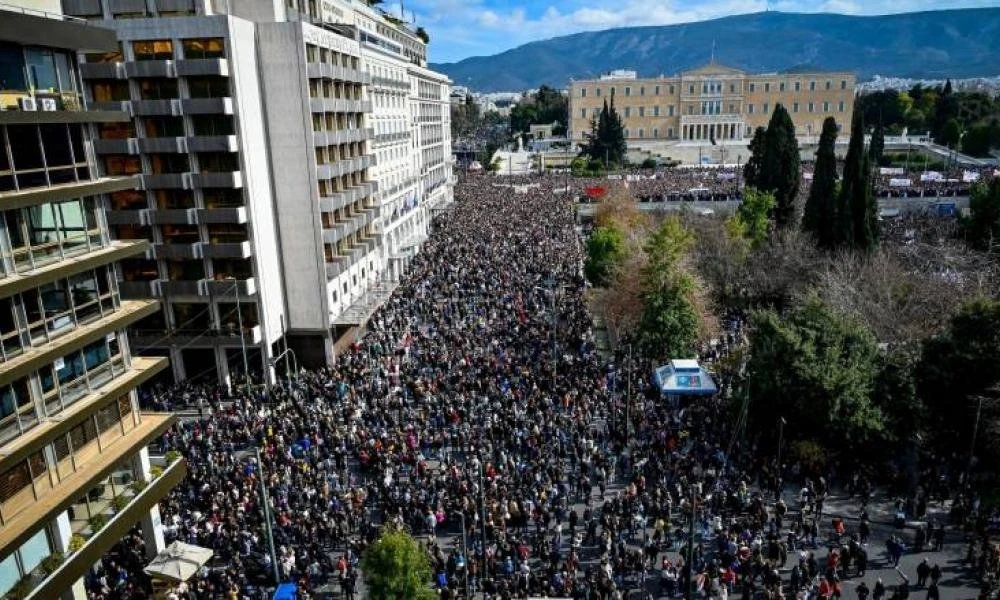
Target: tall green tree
point(606, 140)
point(982, 226)
point(820, 215)
point(817, 370)
point(781, 169)
point(754, 168)
point(876, 149)
point(395, 567)
point(857, 210)
point(951, 133)
point(668, 324)
point(605, 251)
point(752, 218)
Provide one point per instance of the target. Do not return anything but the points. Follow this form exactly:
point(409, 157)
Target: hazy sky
point(463, 28)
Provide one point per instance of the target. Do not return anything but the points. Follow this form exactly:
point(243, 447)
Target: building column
point(177, 364)
point(222, 368)
point(152, 527)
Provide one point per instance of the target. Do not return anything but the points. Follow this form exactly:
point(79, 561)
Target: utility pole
point(975, 433)
point(465, 554)
point(267, 518)
point(690, 558)
point(243, 342)
point(777, 472)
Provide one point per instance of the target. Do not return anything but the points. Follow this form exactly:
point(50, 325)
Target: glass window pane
point(34, 550)
point(27, 152)
point(67, 79)
point(41, 68)
point(12, 74)
point(9, 575)
point(55, 141)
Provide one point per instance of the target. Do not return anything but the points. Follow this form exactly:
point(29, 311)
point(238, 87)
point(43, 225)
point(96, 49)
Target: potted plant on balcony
point(119, 503)
point(76, 542)
point(155, 471)
point(138, 485)
point(51, 562)
point(172, 456)
point(21, 589)
point(97, 522)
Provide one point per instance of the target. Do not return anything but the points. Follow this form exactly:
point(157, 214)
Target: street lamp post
point(243, 342)
point(777, 475)
point(267, 519)
point(975, 434)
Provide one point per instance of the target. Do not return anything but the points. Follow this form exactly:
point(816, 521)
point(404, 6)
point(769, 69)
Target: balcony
point(207, 106)
point(236, 214)
point(122, 146)
point(174, 251)
point(227, 250)
point(337, 105)
point(139, 290)
point(197, 338)
point(703, 119)
point(342, 167)
point(151, 68)
point(342, 136)
point(316, 70)
point(203, 66)
point(227, 179)
point(179, 287)
point(228, 288)
point(152, 108)
point(212, 143)
point(103, 70)
point(124, 106)
point(170, 216)
point(165, 181)
point(138, 501)
point(173, 145)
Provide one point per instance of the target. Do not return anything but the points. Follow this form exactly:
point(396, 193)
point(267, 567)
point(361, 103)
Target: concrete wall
point(290, 134)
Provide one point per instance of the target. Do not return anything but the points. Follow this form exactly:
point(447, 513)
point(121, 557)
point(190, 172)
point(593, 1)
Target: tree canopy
point(605, 250)
point(606, 139)
point(752, 216)
point(395, 567)
point(781, 168)
point(820, 215)
point(543, 107)
point(752, 171)
point(982, 226)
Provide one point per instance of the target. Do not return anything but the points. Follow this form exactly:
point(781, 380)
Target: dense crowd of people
point(476, 401)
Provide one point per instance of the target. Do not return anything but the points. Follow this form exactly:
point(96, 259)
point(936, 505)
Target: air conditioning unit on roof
point(27, 103)
point(48, 103)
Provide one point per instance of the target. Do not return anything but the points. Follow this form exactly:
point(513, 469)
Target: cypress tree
point(865, 209)
point(877, 147)
point(754, 167)
point(853, 164)
point(820, 216)
point(781, 165)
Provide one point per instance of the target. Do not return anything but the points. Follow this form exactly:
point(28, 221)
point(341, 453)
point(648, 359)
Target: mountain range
point(932, 44)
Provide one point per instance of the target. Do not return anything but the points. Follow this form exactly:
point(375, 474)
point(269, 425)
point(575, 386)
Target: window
point(798, 86)
point(626, 133)
point(766, 109)
point(732, 88)
point(116, 131)
point(656, 111)
point(656, 133)
point(583, 113)
point(628, 112)
point(670, 110)
point(109, 90)
point(163, 127)
point(122, 164)
point(164, 163)
point(597, 92)
point(12, 73)
point(583, 92)
point(781, 86)
point(656, 90)
point(691, 89)
point(811, 107)
point(812, 86)
point(767, 86)
point(642, 111)
point(641, 132)
point(690, 109)
point(642, 91)
point(750, 108)
point(671, 90)
point(752, 86)
point(208, 87)
point(153, 50)
point(41, 66)
point(158, 88)
point(670, 132)
point(826, 107)
point(840, 108)
point(795, 107)
point(218, 162)
point(203, 48)
point(828, 84)
point(843, 84)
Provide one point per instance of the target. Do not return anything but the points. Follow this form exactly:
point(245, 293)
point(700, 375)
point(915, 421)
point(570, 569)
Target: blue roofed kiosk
point(684, 377)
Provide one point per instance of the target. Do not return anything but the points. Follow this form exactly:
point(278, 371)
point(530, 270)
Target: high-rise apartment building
point(75, 472)
point(710, 105)
point(286, 176)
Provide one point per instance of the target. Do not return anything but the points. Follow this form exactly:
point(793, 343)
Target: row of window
point(166, 126)
point(194, 48)
point(24, 68)
point(713, 107)
point(40, 315)
point(167, 163)
point(39, 235)
point(159, 88)
point(656, 133)
point(177, 199)
point(716, 87)
point(41, 155)
point(323, 55)
point(141, 269)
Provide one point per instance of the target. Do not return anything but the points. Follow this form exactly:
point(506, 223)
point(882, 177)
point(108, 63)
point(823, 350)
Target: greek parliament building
point(709, 106)
point(75, 472)
point(290, 155)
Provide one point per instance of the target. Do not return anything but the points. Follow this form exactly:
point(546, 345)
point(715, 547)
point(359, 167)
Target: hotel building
point(270, 205)
point(75, 472)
